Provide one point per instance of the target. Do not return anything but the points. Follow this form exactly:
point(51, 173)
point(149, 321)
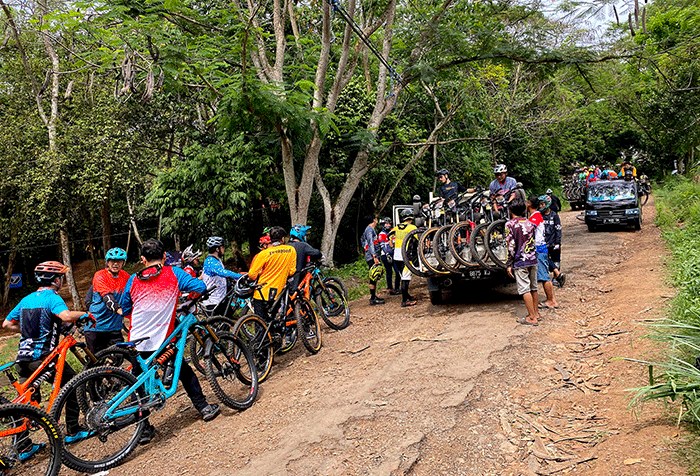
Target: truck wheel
point(436, 297)
point(638, 224)
point(591, 227)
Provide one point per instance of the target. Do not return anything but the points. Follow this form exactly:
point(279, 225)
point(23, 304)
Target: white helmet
point(188, 255)
point(500, 169)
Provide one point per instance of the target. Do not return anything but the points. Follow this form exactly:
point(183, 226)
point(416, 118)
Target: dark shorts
point(96, 341)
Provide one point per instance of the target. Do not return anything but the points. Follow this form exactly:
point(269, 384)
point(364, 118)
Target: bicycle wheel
point(95, 443)
point(218, 324)
point(338, 282)
point(231, 371)
point(409, 252)
point(308, 328)
point(442, 251)
point(496, 245)
point(426, 254)
point(477, 245)
point(459, 243)
point(333, 306)
point(30, 441)
point(253, 332)
point(114, 356)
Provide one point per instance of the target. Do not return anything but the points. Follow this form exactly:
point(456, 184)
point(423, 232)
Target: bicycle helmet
point(545, 202)
point(115, 254)
point(215, 242)
point(189, 255)
point(264, 240)
point(500, 169)
point(299, 232)
point(549, 191)
point(406, 214)
point(387, 220)
point(376, 272)
point(49, 270)
point(244, 287)
point(442, 172)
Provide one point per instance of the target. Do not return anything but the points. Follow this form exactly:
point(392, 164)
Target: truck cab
point(613, 202)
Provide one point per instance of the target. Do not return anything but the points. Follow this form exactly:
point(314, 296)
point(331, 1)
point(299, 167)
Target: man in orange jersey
point(271, 268)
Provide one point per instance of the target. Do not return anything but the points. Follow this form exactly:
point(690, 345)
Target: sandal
point(524, 321)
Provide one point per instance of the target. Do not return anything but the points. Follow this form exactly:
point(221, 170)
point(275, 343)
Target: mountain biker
point(369, 241)
point(449, 190)
point(626, 165)
point(387, 256)
point(272, 267)
point(502, 184)
point(38, 318)
point(533, 204)
point(214, 274)
point(150, 297)
point(552, 236)
point(190, 259)
point(107, 289)
point(305, 252)
point(556, 203)
point(400, 232)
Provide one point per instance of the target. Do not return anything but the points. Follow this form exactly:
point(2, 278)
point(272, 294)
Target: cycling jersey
point(538, 221)
point(552, 229)
point(103, 283)
point(305, 252)
point(385, 243)
point(151, 299)
point(369, 242)
point(39, 323)
point(498, 188)
point(400, 231)
point(272, 267)
point(214, 274)
point(450, 191)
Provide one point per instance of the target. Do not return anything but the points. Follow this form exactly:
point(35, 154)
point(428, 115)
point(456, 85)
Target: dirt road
point(457, 389)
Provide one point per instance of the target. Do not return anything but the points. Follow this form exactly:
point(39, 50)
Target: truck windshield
point(611, 191)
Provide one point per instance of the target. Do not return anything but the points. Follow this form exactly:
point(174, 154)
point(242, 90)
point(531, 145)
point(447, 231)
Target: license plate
point(611, 220)
point(479, 273)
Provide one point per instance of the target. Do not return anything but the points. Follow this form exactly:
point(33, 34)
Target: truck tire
point(436, 297)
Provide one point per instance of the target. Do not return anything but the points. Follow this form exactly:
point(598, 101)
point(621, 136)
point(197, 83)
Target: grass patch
point(355, 277)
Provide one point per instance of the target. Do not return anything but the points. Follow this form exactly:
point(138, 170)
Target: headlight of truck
point(591, 213)
point(632, 211)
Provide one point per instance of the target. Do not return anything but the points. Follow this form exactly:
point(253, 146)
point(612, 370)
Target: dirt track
point(456, 389)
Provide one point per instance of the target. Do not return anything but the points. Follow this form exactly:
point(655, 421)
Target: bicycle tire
point(333, 306)
point(101, 384)
point(644, 198)
point(460, 235)
point(231, 371)
point(219, 324)
point(33, 451)
point(496, 244)
point(409, 253)
point(113, 356)
point(252, 330)
point(426, 254)
point(308, 328)
point(477, 245)
point(443, 252)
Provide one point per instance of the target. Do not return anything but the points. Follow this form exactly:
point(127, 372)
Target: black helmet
point(442, 172)
point(406, 213)
point(215, 242)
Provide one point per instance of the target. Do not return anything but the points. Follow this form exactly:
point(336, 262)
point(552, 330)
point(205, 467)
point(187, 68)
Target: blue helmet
point(299, 232)
point(115, 254)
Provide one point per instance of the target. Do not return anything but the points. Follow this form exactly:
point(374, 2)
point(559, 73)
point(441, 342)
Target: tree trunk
point(106, 216)
point(8, 277)
point(55, 71)
point(65, 249)
point(132, 221)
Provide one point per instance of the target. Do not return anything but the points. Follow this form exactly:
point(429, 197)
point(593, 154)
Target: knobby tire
point(231, 371)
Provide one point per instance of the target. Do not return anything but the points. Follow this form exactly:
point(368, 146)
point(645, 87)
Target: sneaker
point(210, 412)
point(561, 280)
point(410, 302)
point(147, 435)
point(25, 455)
point(375, 300)
point(394, 292)
point(80, 434)
point(290, 338)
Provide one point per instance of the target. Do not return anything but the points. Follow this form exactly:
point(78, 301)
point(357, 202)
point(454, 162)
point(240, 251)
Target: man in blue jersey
point(214, 274)
point(39, 318)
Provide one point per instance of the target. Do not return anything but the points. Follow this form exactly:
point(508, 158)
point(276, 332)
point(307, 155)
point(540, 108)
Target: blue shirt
point(214, 274)
point(39, 323)
point(495, 187)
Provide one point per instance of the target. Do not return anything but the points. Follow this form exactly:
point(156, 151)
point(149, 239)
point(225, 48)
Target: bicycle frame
point(153, 385)
point(26, 390)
